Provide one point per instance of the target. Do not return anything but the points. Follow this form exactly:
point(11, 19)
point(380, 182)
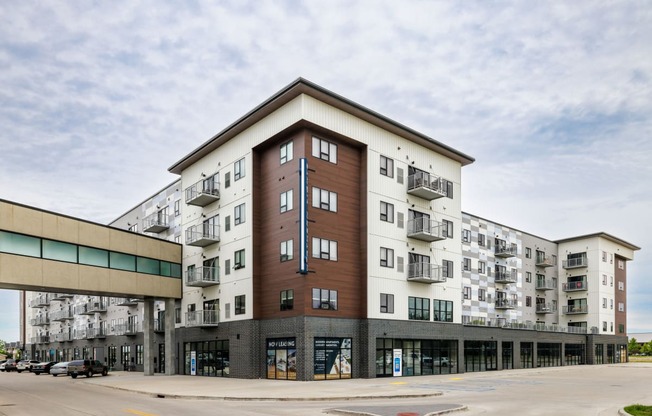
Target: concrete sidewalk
point(217, 388)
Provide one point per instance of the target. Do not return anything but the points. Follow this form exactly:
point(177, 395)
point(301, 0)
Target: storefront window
point(332, 358)
point(282, 359)
point(211, 358)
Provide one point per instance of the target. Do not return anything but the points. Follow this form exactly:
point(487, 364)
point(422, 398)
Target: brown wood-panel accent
point(347, 227)
point(621, 295)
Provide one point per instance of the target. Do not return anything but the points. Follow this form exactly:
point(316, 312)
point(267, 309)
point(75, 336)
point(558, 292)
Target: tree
point(647, 349)
point(3, 351)
point(633, 347)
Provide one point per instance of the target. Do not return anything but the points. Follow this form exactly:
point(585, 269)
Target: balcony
point(41, 301)
point(202, 235)
point(575, 309)
point(544, 261)
point(426, 186)
point(40, 321)
point(79, 333)
point(83, 309)
point(203, 318)
point(60, 337)
point(126, 301)
point(203, 192)
point(156, 222)
point(129, 329)
point(96, 306)
point(505, 276)
point(503, 303)
point(546, 308)
point(40, 339)
point(203, 276)
point(425, 229)
point(545, 284)
point(574, 263)
point(159, 325)
point(505, 250)
point(61, 296)
point(575, 286)
point(95, 333)
point(425, 273)
point(62, 315)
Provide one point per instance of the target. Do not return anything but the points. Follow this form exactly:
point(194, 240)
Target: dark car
point(87, 368)
point(43, 367)
point(10, 365)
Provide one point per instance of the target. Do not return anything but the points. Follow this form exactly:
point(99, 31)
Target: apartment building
point(322, 240)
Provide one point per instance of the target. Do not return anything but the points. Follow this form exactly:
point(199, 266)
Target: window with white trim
point(324, 150)
point(621, 306)
point(324, 299)
point(324, 199)
point(467, 264)
point(482, 267)
point(287, 250)
point(621, 285)
point(481, 240)
point(239, 214)
point(286, 201)
point(287, 152)
point(386, 303)
point(386, 257)
point(386, 211)
point(447, 228)
point(386, 166)
point(447, 268)
point(466, 236)
point(324, 249)
point(239, 169)
point(239, 259)
point(467, 292)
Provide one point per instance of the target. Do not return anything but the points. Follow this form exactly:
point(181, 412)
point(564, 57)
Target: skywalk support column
point(148, 337)
point(170, 339)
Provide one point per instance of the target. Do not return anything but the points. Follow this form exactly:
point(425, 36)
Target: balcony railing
point(60, 337)
point(531, 326)
point(129, 329)
point(40, 339)
point(203, 276)
point(544, 261)
point(40, 320)
point(156, 222)
point(79, 333)
point(61, 296)
point(426, 186)
point(425, 229)
point(202, 318)
point(96, 306)
point(41, 300)
point(202, 235)
point(575, 286)
point(125, 301)
point(203, 192)
point(502, 303)
point(95, 333)
point(62, 315)
point(425, 273)
point(506, 276)
point(159, 325)
point(508, 250)
point(575, 309)
point(545, 284)
point(546, 308)
point(574, 263)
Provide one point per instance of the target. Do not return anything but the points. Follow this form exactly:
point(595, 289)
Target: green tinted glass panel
point(176, 270)
point(20, 244)
point(123, 261)
point(149, 266)
point(166, 268)
point(56, 250)
point(93, 256)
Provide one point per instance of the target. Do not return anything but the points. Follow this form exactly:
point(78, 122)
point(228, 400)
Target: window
point(611, 280)
point(467, 264)
point(604, 279)
point(386, 257)
point(324, 199)
point(227, 266)
point(442, 310)
point(324, 150)
point(528, 253)
point(528, 301)
point(467, 292)
point(621, 328)
point(482, 267)
point(621, 285)
point(287, 250)
point(604, 326)
point(399, 175)
point(324, 299)
point(286, 201)
point(287, 299)
point(399, 264)
point(481, 240)
point(482, 294)
point(386, 303)
point(399, 220)
point(418, 309)
point(386, 211)
point(604, 303)
point(604, 256)
point(133, 228)
point(324, 249)
point(449, 188)
point(621, 264)
point(387, 166)
point(611, 303)
point(177, 207)
point(239, 169)
point(621, 307)
point(611, 326)
point(447, 228)
point(227, 179)
point(466, 236)
point(286, 152)
point(177, 315)
point(239, 305)
point(239, 214)
point(447, 268)
point(227, 223)
point(139, 354)
point(239, 260)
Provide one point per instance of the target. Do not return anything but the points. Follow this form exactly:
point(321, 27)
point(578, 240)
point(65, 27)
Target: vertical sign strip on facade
point(303, 216)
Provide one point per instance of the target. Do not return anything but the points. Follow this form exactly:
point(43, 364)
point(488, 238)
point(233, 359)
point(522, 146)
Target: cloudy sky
point(553, 99)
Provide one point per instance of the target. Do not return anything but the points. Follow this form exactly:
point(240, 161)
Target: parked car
point(2, 365)
point(43, 367)
point(87, 368)
point(23, 365)
point(59, 368)
point(10, 365)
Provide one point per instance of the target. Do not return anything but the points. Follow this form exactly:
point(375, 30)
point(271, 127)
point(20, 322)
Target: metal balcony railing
point(40, 339)
point(202, 318)
point(544, 261)
point(426, 186)
point(506, 276)
point(546, 308)
point(203, 192)
point(575, 309)
point(575, 286)
point(425, 273)
point(62, 315)
point(502, 303)
point(41, 300)
point(508, 250)
point(156, 222)
point(203, 276)
point(545, 284)
point(574, 263)
point(159, 325)
point(40, 320)
point(425, 229)
point(202, 235)
point(125, 301)
point(129, 328)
